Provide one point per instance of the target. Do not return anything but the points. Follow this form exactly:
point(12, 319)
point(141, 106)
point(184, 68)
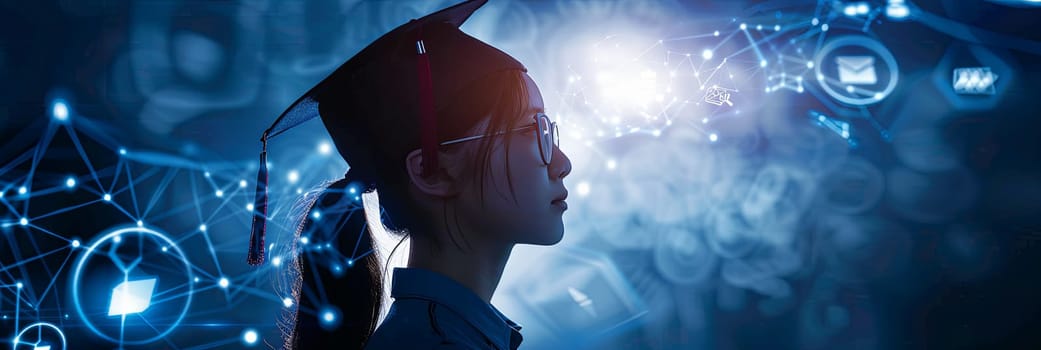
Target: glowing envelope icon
point(131, 297)
point(43, 347)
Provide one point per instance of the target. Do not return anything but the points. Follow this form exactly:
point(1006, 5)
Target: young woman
point(449, 135)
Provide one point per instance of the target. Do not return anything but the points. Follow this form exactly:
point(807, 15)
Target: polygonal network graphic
point(100, 237)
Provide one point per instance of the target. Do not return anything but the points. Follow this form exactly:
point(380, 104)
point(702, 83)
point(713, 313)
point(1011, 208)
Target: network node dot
point(249, 337)
point(60, 111)
point(583, 189)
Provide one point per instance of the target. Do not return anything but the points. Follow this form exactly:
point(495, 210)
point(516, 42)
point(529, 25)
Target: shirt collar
point(432, 286)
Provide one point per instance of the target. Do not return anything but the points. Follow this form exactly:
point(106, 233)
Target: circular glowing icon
point(39, 335)
point(855, 75)
point(137, 291)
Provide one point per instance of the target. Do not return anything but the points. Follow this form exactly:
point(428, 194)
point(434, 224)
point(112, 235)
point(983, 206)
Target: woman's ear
point(439, 184)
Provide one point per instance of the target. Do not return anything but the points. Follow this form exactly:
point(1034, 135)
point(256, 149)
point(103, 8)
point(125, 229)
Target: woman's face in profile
point(529, 213)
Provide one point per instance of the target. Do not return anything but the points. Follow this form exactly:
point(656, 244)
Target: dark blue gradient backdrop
point(747, 174)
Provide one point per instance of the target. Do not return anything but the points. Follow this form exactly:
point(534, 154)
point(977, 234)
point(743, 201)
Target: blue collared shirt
point(432, 311)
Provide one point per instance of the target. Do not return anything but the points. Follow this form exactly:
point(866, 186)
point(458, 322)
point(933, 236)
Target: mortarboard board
point(382, 91)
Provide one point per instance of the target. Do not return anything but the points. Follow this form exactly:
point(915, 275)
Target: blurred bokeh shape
point(859, 249)
point(855, 187)
point(581, 297)
point(730, 235)
point(681, 256)
point(187, 61)
point(776, 200)
point(802, 145)
point(968, 252)
point(924, 149)
point(931, 197)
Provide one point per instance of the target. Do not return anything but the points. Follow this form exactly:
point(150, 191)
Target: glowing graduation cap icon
point(407, 71)
point(131, 297)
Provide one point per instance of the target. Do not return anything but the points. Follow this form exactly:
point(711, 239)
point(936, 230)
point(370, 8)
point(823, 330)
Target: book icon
point(974, 81)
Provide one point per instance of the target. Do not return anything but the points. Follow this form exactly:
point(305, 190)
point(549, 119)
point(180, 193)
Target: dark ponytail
point(342, 280)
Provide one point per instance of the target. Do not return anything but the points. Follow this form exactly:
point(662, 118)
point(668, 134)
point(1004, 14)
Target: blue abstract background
point(747, 174)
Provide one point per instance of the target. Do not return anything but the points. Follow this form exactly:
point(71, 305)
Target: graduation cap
point(389, 91)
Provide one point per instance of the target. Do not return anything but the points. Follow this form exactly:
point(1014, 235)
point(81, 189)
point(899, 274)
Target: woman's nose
point(561, 164)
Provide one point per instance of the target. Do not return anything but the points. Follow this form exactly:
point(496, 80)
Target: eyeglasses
point(547, 134)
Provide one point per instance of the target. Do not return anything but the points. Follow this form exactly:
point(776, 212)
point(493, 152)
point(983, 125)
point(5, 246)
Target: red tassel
point(256, 238)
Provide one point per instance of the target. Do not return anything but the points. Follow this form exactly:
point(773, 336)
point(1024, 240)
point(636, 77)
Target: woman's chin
point(551, 237)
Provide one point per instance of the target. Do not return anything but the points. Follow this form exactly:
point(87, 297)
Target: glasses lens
point(545, 138)
point(556, 135)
